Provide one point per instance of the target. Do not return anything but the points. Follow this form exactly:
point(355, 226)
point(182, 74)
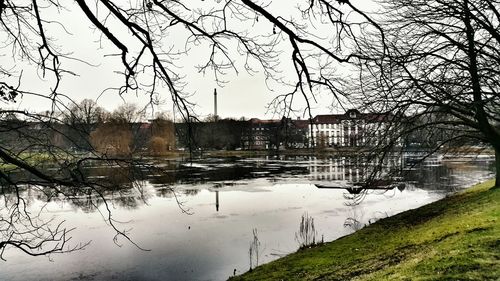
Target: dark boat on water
point(357, 187)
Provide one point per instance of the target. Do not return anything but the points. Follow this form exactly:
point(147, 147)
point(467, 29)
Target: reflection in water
point(352, 174)
point(354, 169)
point(270, 194)
point(397, 173)
point(191, 192)
point(353, 224)
point(217, 200)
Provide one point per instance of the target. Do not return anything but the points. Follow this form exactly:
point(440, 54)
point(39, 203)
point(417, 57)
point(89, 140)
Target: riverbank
point(456, 238)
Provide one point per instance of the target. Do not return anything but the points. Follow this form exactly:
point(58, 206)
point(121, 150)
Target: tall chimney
point(215, 102)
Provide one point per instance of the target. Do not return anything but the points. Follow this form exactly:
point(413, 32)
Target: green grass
point(35, 159)
point(457, 238)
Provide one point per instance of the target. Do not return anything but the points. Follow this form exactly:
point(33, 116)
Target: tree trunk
point(497, 166)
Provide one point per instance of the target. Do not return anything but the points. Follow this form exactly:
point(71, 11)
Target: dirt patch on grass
point(447, 235)
point(478, 229)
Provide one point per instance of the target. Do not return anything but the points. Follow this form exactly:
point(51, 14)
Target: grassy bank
point(457, 238)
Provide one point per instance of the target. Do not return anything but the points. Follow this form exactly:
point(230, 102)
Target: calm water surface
point(208, 235)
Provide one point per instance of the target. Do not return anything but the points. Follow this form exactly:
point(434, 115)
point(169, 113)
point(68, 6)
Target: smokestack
point(215, 103)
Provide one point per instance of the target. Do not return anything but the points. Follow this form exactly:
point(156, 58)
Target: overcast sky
point(244, 94)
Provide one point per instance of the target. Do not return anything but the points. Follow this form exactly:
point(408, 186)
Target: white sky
point(244, 95)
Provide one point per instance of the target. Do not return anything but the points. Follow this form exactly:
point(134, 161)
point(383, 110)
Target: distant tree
point(128, 113)
point(87, 112)
point(224, 134)
point(296, 135)
point(162, 136)
point(113, 138)
point(211, 118)
point(80, 119)
point(277, 133)
point(131, 118)
point(157, 146)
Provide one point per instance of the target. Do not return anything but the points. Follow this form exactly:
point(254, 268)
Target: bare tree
point(162, 135)
point(87, 112)
point(113, 138)
point(437, 66)
point(311, 37)
point(78, 120)
point(128, 113)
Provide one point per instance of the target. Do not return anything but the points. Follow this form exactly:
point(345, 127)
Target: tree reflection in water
point(130, 185)
point(98, 187)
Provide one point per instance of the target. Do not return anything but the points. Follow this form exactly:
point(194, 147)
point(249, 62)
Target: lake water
point(208, 235)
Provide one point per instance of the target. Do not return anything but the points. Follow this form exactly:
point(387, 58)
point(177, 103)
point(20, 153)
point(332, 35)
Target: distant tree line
point(231, 134)
point(85, 126)
point(224, 134)
point(88, 127)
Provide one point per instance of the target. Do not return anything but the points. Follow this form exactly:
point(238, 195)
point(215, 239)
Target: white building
point(352, 129)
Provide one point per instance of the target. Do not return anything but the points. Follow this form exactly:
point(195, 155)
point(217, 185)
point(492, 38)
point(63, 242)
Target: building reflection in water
point(351, 170)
